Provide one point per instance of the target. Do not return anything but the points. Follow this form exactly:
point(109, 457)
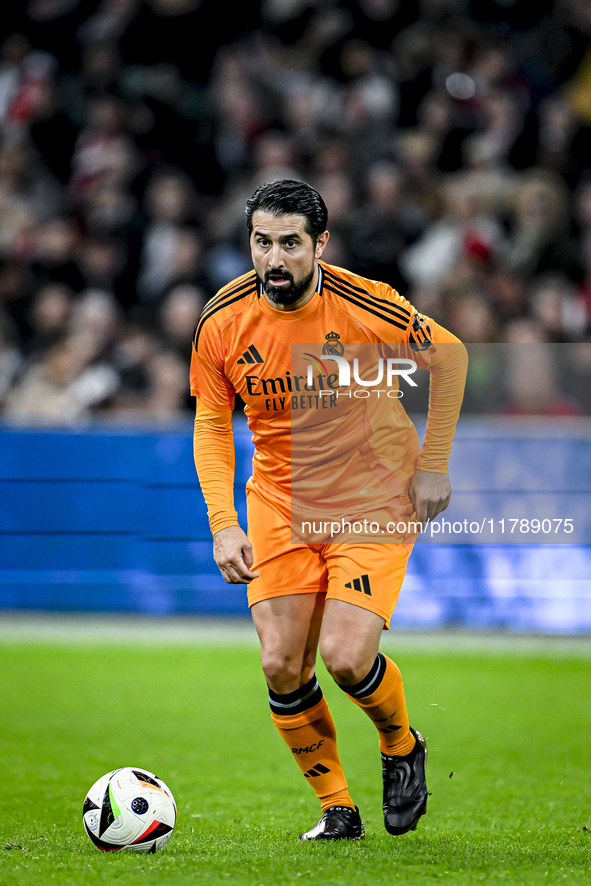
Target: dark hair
point(290, 197)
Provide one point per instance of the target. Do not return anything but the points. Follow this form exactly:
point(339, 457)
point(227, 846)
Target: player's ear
point(321, 244)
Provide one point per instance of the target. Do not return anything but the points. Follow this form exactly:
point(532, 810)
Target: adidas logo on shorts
point(360, 584)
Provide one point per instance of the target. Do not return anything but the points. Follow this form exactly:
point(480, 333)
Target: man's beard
point(286, 295)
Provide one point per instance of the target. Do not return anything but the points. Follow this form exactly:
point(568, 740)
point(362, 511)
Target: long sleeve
point(448, 365)
point(213, 450)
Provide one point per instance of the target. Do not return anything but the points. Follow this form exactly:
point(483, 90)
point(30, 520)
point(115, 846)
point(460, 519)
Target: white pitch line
point(86, 628)
point(77, 629)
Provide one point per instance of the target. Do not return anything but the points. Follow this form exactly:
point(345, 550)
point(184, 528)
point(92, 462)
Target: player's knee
point(283, 672)
point(345, 673)
point(343, 664)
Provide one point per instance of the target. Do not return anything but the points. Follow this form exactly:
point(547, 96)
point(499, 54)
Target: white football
point(129, 808)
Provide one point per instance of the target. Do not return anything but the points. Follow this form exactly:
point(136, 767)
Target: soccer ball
point(131, 809)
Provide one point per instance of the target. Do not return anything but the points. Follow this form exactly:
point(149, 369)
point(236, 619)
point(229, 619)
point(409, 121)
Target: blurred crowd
point(451, 140)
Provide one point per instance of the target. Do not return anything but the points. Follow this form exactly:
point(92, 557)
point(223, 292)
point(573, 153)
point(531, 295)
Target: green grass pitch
point(508, 727)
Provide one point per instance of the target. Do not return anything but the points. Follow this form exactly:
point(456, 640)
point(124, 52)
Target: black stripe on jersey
point(222, 301)
point(383, 303)
point(362, 291)
point(420, 327)
point(224, 294)
point(212, 306)
point(365, 307)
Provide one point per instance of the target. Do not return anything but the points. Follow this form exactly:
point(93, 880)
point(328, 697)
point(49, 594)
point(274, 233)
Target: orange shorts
point(365, 574)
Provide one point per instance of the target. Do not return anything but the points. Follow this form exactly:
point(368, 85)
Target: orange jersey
point(315, 438)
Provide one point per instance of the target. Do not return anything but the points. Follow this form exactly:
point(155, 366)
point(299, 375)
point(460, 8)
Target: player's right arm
point(213, 448)
point(232, 552)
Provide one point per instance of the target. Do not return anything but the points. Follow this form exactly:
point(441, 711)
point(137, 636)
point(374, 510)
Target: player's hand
point(430, 494)
point(233, 555)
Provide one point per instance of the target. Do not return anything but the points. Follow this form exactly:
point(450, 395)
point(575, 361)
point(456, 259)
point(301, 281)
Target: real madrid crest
point(332, 346)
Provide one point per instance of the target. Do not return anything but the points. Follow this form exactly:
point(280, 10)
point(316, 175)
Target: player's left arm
point(438, 350)
point(447, 362)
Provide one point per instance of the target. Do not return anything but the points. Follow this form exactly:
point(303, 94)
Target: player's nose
point(276, 258)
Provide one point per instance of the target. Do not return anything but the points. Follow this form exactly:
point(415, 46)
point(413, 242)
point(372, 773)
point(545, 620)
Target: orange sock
point(305, 724)
point(381, 696)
